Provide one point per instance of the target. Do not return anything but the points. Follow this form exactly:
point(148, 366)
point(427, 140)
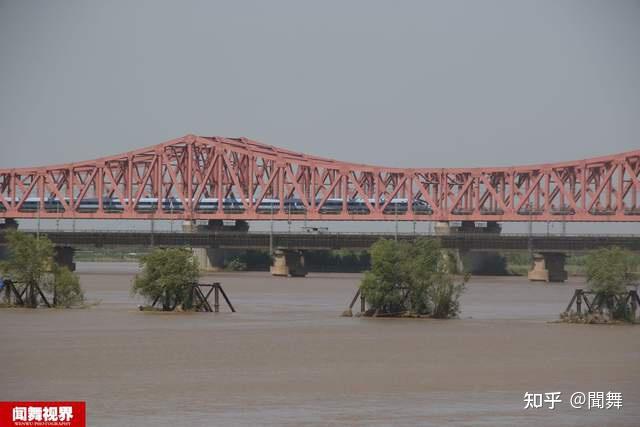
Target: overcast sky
point(397, 83)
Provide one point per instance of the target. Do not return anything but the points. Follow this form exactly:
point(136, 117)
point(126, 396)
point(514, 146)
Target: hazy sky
point(398, 83)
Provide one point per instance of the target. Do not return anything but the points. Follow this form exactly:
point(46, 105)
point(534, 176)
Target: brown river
point(288, 358)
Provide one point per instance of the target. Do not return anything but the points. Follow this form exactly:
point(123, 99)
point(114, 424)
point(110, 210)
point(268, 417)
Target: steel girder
point(193, 168)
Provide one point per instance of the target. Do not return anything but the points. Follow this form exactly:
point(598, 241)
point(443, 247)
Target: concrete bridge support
point(9, 223)
point(484, 263)
point(442, 228)
point(218, 225)
point(288, 262)
point(214, 259)
point(188, 226)
point(548, 267)
point(63, 256)
point(471, 261)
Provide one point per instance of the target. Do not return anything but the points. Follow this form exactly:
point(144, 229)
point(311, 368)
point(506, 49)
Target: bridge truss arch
point(195, 177)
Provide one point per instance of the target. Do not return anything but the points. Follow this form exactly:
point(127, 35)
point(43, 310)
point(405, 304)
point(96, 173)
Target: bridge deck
point(261, 240)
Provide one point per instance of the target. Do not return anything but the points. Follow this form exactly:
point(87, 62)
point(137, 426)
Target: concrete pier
point(8, 223)
point(213, 259)
point(209, 259)
point(467, 260)
point(442, 228)
point(219, 225)
point(189, 226)
point(548, 267)
point(63, 256)
point(288, 263)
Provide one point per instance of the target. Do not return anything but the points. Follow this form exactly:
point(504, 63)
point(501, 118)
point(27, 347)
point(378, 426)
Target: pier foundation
point(288, 262)
point(548, 267)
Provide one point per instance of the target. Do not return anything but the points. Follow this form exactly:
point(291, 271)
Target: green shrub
point(610, 270)
point(66, 288)
point(31, 262)
point(167, 275)
point(445, 296)
point(236, 264)
point(415, 278)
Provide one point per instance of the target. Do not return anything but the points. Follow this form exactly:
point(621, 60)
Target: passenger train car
point(397, 206)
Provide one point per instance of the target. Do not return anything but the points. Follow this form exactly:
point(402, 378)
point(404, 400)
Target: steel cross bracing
point(197, 177)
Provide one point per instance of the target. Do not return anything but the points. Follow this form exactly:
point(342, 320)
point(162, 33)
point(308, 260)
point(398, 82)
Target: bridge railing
point(389, 234)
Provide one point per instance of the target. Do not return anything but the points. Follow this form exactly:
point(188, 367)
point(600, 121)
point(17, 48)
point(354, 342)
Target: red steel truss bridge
point(210, 178)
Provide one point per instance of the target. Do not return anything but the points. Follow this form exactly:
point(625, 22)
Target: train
point(292, 206)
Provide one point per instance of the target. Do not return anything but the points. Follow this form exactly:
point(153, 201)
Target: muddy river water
point(288, 358)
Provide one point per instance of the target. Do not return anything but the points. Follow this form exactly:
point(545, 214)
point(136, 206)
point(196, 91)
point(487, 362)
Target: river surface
point(288, 358)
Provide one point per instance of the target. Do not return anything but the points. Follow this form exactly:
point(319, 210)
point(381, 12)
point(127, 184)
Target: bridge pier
point(484, 262)
point(472, 261)
point(63, 256)
point(9, 223)
point(218, 225)
point(288, 262)
point(442, 228)
point(213, 259)
point(189, 226)
point(209, 259)
point(548, 267)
